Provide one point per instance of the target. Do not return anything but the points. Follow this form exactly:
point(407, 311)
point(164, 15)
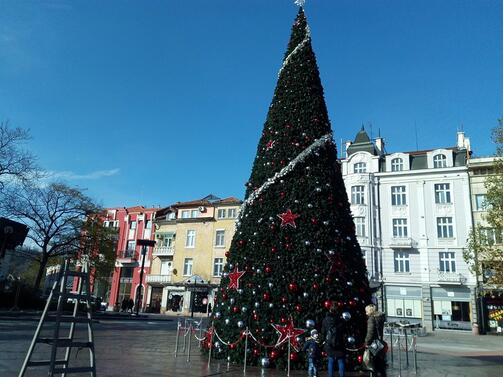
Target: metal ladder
point(59, 291)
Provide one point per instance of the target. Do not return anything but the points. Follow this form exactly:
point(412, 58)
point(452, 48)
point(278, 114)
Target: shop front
point(403, 303)
point(493, 306)
point(452, 308)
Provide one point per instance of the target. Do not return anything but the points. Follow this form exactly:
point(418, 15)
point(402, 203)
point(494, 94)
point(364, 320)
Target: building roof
point(362, 143)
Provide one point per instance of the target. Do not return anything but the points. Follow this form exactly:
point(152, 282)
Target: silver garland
point(306, 39)
point(287, 169)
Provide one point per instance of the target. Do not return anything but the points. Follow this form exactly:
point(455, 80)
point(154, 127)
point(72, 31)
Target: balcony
point(163, 251)
point(449, 277)
point(159, 279)
point(126, 258)
point(401, 243)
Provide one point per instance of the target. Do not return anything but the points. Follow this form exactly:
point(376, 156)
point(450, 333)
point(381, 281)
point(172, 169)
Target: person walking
point(312, 350)
point(332, 331)
point(124, 304)
point(375, 330)
point(130, 305)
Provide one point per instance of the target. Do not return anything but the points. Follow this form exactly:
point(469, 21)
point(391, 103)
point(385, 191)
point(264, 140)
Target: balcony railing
point(401, 242)
point(163, 251)
point(450, 277)
point(159, 279)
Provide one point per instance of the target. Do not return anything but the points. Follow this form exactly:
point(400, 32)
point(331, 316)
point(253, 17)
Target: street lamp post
point(144, 244)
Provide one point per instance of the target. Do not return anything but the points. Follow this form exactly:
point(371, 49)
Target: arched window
point(360, 167)
point(397, 164)
point(439, 161)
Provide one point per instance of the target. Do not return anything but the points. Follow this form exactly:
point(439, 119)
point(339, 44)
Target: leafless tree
point(16, 163)
point(54, 213)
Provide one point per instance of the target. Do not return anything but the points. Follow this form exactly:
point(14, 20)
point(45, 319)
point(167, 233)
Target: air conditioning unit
point(202, 209)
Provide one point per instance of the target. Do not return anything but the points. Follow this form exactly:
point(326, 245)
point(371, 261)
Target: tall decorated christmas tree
point(294, 252)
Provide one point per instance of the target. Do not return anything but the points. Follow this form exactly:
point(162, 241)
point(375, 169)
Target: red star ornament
point(234, 277)
point(288, 218)
point(288, 331)
point(270, 145)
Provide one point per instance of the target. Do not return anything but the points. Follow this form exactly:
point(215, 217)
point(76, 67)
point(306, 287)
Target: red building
point(133, 224)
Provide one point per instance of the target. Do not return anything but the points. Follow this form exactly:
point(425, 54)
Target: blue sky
point(152, 102)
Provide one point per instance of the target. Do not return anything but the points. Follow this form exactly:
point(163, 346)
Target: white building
point(412, 215)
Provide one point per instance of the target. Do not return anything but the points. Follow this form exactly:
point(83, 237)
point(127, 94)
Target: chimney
point(379, 143)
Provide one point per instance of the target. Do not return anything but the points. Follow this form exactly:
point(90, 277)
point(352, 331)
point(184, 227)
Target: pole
point(288, 360)
point(177, 340)
point(246, 349)
point(190, 343)
point(392, 329)
point(406, 348)
point(192, 298)
point(210, 346)
point(139, 296)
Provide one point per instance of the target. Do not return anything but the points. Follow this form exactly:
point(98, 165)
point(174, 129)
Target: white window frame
point(401, 261)
point(185, 214)
point(171, 216)
point(480, 205)
point(218, 267)
point(190, 239)
point(132, 225)
point(188, 266)
point(194, 213)
point(358, 194)
point(131, 242)
point(360, 226)
point(447, 261)
point(167, 241)
point(220, 238)
point(360, 167)
point(148, 224)
point(439, 161)
point(232, 213)
point(398, 195)
point(400, 228)
point(442, 193)
point(445, 228)
point(397, 164)
point(166, 267)
point(221, 213)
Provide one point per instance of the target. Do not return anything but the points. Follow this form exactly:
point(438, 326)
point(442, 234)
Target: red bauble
point(340, 304)
point(224, 296)
point(227, 254)
point(360, 359)
point(352, 303)
point(298, 308)
point(255, 316)
point(283, 320)
point(273, 227)
point(249, 285)
point(315, 286)
point(268, 269)
point(266, 296)
point(328, 280)
point(327, 304)
point(256, 352)
point(232, 346)
point(284, 300)
point(282, 195)
point(314, 221)
point(247, 268)
point(294, 356)
point(293, 287)
point(273, 250)
point(324, 354)
point(235, 309)
point(274, 354)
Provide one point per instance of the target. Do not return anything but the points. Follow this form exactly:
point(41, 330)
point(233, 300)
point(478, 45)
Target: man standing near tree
point(332, 331)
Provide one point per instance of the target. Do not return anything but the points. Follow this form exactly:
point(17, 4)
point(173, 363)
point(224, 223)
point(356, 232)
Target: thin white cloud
point(88, 176)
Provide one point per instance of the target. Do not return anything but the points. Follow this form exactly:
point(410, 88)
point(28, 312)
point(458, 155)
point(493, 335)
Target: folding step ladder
point(59, 291)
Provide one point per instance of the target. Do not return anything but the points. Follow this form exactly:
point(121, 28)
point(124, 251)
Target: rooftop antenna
point(370, 126)
point(415, 131)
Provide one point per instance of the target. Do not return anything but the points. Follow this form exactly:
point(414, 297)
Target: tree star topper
point(234, 278)
point(300, 3)
point(288, 332)
point(288, 218)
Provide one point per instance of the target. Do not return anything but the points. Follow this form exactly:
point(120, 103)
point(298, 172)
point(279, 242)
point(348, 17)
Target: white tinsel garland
point(306, 39)
point(287, 169)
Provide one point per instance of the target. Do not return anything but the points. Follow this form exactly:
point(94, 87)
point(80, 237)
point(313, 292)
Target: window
point(185, 214)
point(194, 213)
point(221, 214)
point(402, 261)
point(357, 195)
point(132, 225)
point(480, 202)
point(397, 164)
point(444, 227)
point(218, 266)
point(171, 216)
point(231, 213)
point(439, 161)
point(191, 238)
point(491, 236)
point(220, 238)
point(148, 224)
point(360, 226)
point(360, 167)
point(398, 196)
point(127, 272)
point(447, 261)
point(167, 241)
point(187, 267)
point(131, 245)
point(399, 228)
point(442, 193)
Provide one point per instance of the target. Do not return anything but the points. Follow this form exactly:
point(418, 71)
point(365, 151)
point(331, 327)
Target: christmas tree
point(294, 252)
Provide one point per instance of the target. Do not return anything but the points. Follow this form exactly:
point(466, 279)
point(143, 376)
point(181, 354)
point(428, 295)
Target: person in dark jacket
point(312, 350)
point(375, 330)
point(130, 305)
point(334, 348)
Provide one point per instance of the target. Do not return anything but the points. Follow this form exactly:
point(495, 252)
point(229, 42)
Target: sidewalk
point(34, 315)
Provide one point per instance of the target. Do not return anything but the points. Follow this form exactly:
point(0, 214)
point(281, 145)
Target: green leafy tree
point(295, 239)
point(494, 183)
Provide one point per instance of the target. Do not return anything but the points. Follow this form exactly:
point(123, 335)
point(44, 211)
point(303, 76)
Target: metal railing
point(402, 340)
